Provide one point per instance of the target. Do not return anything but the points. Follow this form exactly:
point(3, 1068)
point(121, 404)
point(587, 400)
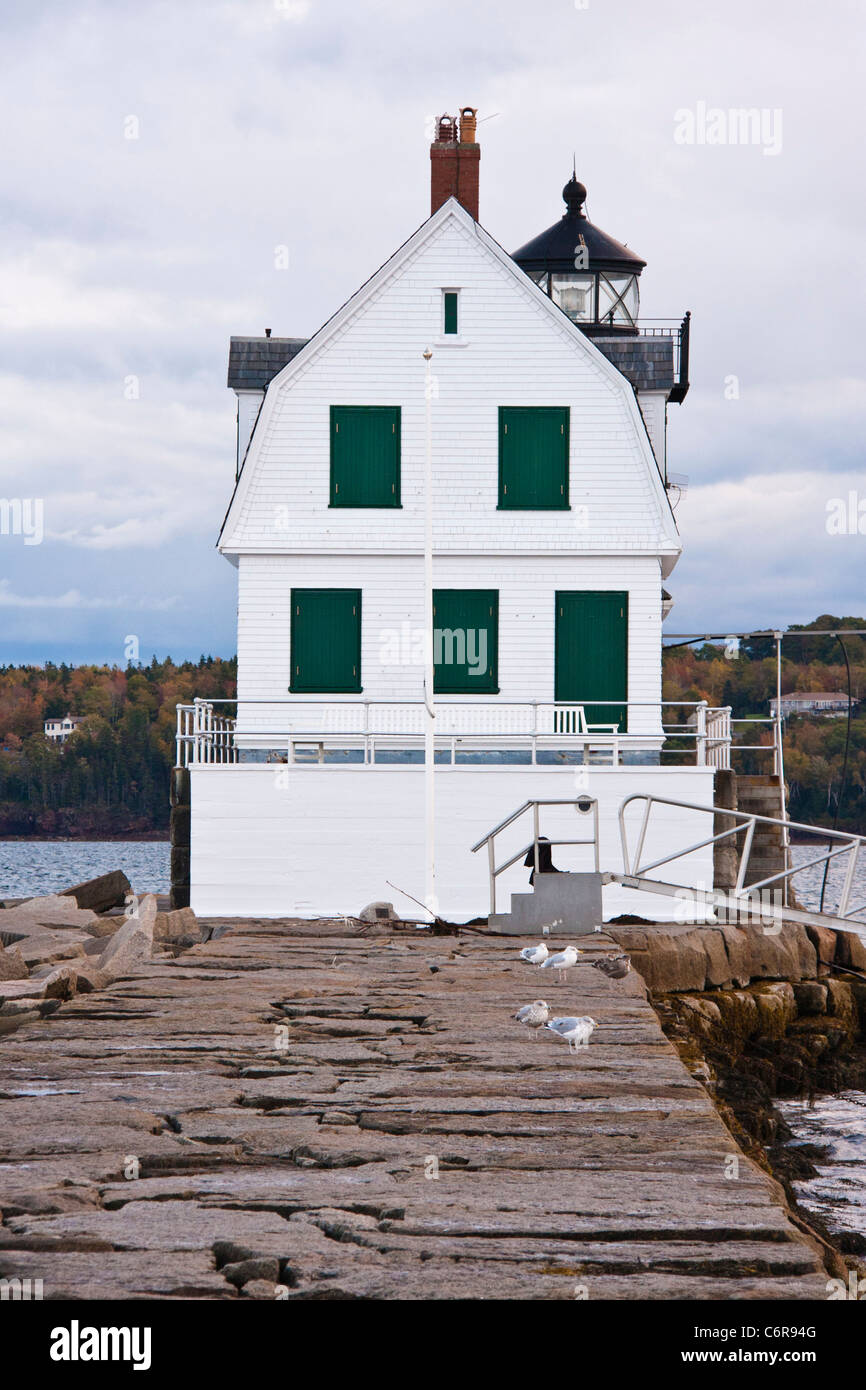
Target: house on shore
point(827, 703)
point(59, 730)
point(540, 399)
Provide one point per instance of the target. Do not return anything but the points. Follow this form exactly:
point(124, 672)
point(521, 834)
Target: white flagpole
point(430, 713)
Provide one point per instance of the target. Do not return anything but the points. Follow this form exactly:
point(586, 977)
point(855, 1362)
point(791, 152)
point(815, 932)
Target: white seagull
point(562, 961)
point(534, 1015)
point(535, 955)
point(575, 1031)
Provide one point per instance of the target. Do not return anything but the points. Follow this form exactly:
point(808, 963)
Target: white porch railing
point(288, 728)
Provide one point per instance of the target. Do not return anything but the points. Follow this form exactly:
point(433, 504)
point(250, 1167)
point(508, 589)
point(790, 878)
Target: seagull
point(615, 967)
point(535, 955)
point(562, 961)
point(534, 1016)
point(576, 1031)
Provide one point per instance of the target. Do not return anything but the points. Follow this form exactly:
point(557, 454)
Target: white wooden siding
point(392, 595)
point(514, 351)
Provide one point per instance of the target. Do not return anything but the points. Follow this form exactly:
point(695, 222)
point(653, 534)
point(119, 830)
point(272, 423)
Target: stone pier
point(329, 1110)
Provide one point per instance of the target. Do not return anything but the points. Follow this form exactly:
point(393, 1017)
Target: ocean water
point(29, 868)
point(838, 1194)
point(807, 885)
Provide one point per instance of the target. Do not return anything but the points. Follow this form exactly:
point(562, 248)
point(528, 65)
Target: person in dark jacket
point(545, 859)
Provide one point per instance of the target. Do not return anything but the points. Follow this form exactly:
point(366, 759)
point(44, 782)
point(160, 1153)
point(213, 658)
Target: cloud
point(75, 600)
point(258, 124)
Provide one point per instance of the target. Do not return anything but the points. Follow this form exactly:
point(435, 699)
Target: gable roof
point(450, 210)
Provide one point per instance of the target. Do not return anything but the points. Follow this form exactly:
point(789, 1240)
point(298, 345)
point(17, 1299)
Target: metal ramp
point(765, 900)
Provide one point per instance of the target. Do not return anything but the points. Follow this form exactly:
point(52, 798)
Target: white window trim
point(450, 339)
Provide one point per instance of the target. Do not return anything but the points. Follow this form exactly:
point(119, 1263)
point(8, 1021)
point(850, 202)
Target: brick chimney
point(455, 159)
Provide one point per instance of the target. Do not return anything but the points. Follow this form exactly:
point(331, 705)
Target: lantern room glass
point(618, 299)
point(575, 295)
point(594, 298)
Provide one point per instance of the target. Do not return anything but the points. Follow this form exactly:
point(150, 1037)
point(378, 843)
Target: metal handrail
point(580, 803)
point(747, 821)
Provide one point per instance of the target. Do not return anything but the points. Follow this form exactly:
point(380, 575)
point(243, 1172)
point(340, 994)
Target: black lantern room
point(592, 277)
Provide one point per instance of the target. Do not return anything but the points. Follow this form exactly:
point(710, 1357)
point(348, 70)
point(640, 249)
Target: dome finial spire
point(574, 196)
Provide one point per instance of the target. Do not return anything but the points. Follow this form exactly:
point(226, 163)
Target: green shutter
point(533, 457)
point(451, 311)
point(365, 456)
point(326, 640)
point(465, 641)
point(592, 653)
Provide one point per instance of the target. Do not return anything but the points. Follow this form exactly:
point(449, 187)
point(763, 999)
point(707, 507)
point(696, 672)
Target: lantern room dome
point(591, 275)
point(554, 248)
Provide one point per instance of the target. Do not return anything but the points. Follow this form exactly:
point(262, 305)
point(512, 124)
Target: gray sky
point(305, 123)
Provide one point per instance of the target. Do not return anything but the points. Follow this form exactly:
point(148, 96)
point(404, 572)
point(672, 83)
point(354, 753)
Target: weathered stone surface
point(824, 941)
point(811, 997)
point(12, 1018)
point(260, 1288)
point(378, 912)
point(739, 954)
point(12, 964)
point(92, 977)
point(718, 970)
point(782, 954)
point(52, 911)
point(240, 1273)
point(103, 927)
point(100, 894)
point(42, 946)
point(841, 1004)
point(739, 1012)
point(11, 990)
point(676, 961)
point(171, 926)
point(305, 1109)
point(131, 944)
point(777, 1007)
point(850, 950)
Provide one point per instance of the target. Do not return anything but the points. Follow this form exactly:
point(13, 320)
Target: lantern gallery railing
point(482, 732)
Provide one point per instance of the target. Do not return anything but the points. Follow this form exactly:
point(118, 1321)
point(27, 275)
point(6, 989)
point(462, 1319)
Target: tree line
point(814, 745)
point(111, 777)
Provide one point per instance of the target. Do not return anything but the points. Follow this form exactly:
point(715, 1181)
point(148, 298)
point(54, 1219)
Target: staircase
point(564, 903)
point(762, 796)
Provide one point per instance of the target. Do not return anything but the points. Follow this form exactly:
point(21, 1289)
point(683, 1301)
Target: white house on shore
point(828, 703)
point(553, 539)
point(60, 729)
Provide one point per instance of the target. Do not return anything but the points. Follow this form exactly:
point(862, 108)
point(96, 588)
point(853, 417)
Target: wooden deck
point(356, 1108)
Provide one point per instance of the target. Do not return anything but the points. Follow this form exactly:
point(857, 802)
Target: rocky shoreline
point(760, 1016)
point(55, 947)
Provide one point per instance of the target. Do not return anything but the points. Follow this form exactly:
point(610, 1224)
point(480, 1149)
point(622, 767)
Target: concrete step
point(567, 904)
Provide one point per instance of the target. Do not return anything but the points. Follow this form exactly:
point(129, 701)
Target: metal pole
point(430, 713)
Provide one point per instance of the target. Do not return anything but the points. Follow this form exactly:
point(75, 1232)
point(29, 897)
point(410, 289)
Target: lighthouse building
point(541, 401)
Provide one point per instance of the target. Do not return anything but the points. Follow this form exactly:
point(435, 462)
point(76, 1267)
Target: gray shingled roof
point(648, 363)
point(253, 362)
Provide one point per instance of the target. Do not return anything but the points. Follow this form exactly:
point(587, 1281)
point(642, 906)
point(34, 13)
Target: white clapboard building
point(553, 537)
